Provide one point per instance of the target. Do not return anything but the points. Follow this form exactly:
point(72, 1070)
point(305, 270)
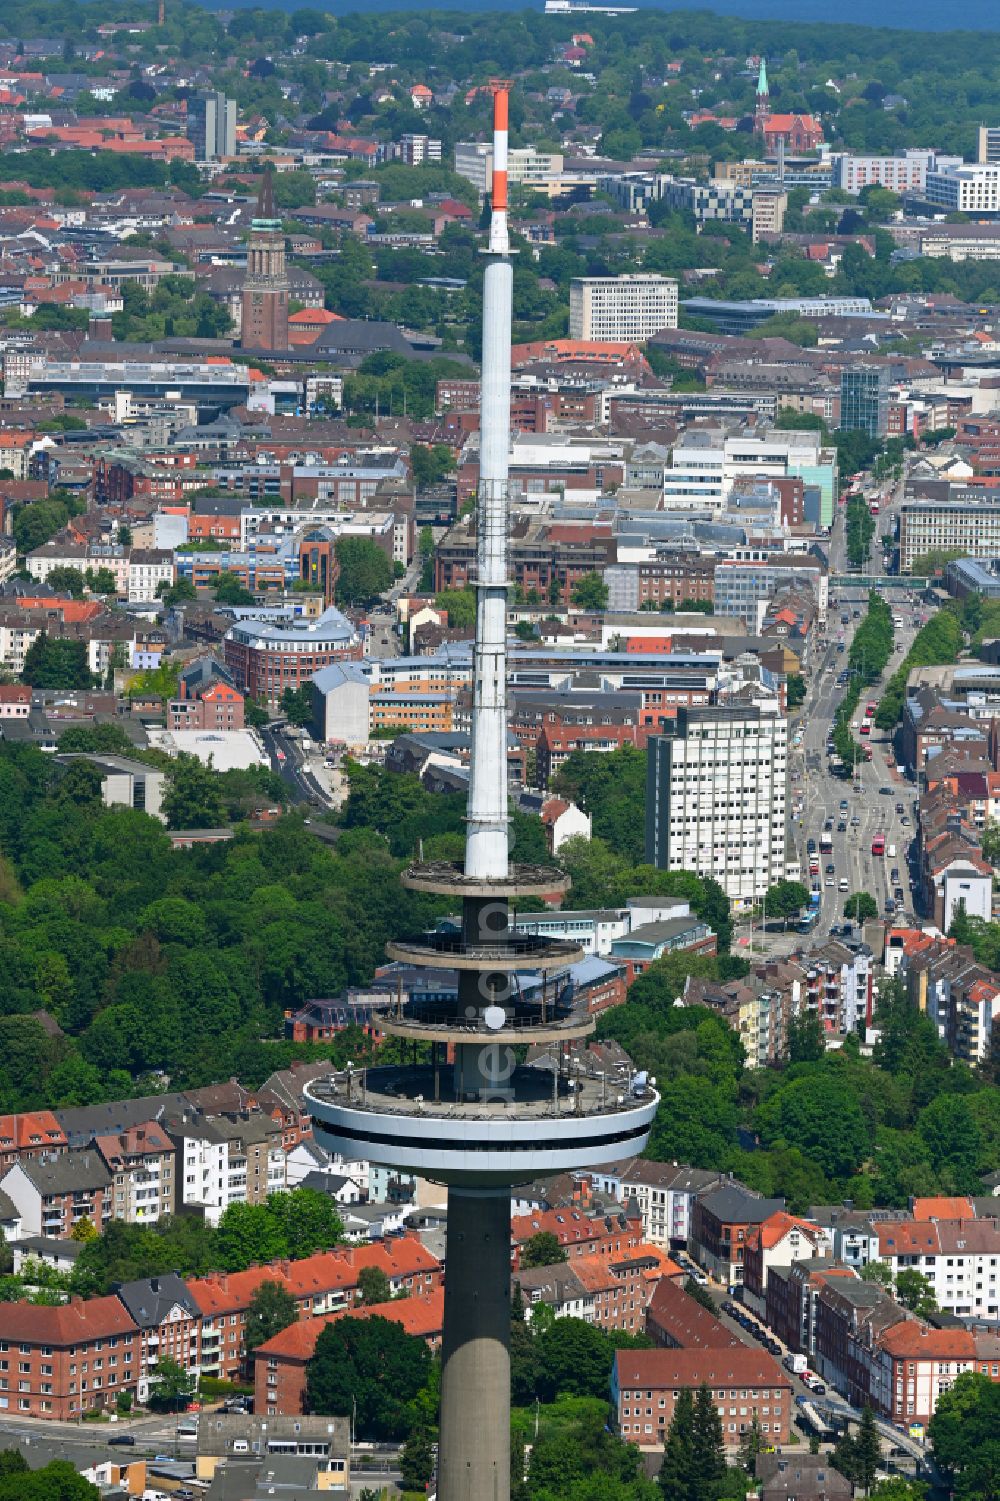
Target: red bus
point(878, 844)
point(866, 728)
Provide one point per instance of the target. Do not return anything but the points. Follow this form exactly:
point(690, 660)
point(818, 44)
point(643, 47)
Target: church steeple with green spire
point(762, 107)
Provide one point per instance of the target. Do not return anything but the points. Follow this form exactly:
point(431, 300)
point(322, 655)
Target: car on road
point(855, 822)
point(894, 875)
point(900, 895)
point(122, 1441)
point(900, 808)
point(905, 821)
point(829, 881)
point(885, 792)
point(831, 870)
point(842, 827)
point(810, 845)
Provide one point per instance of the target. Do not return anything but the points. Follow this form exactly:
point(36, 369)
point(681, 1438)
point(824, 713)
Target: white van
point(890, 851)
point(843, 883)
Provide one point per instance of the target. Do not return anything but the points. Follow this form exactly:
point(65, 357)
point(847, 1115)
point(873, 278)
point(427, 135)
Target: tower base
point(474, 1448)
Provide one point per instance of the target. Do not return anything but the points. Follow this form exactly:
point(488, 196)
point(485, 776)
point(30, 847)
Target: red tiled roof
point(912, 1340)
point(68, 1324)
point(943, 1208)
point(325, 1272)
point(421, 1314)
point(722, 1366)
point(33, 1128)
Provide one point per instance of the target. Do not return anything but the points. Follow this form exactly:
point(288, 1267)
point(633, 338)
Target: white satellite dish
point(495, 1017)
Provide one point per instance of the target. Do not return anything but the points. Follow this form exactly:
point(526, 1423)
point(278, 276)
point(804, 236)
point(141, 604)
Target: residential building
point(141, 1162)
point(777, 1242)
point(620, 309)
point(745, 1384)
point(233, 1438)
point(677, 1320)
point(207, 699)
point(212, 126)
point(61, 1362)
point(320, 1284)
point(129, 784)
point(33, 1133)
point(864, 399)
point(15, 701)
point(720, 1228)
point(52, 1195)
point(578, 1233)
point(609, 1291)
point(715, 800)
point(800, 1477)
point(169, 1323)
point(280, 1363)
point(745, 587)
point(959, 1257)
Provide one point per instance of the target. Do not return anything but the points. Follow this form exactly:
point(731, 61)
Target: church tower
point(763, 106)
point(265, 288)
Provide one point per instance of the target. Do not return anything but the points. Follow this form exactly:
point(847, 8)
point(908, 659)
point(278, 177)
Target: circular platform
point(389, 1116)
point(521, 951)
point(526, 1023)
point(448, 878)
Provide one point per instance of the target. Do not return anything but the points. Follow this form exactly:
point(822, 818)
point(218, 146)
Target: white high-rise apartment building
point(621, 309)
point(971, 189)
point(715, 798)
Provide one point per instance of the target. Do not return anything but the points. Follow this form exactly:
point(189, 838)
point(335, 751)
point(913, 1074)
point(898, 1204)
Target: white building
point(539, 171)
point(148, 568)
point(621, 309)
point(715, 798)
point(968, 189)
point(960, 1259)
point(906, 173)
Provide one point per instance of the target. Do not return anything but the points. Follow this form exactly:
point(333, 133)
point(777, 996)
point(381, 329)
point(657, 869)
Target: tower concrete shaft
point(474, 1451)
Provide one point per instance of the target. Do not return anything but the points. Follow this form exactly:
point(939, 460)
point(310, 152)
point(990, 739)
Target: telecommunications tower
point(470, 1115)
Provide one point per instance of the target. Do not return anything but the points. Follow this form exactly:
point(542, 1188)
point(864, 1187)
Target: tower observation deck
point(468, 1112)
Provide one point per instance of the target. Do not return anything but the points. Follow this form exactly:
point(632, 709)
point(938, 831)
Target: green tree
point(296, 705)
point(369, 1365)
point(56, 1481)
point(364, 571)
point(67, 581)
point(751, 1445)
point(182, 592)
point(861, 907)
point(795, 689)
point(805, 1042)
point(573, 1358)
point(271, 1309)
point(229, 590)
point(193, 799)
point(171, 1388)
point(785, 900)
point(542, 1249)
point(53, 662)
point(416, 1462)
point(461, 607)
point(373, 1285)
point(867, 1451)
point(915, 1292)
point(590, 592)
point(431, 463)
point(965, 1436)
point(677, 1470)
point(708, 1455)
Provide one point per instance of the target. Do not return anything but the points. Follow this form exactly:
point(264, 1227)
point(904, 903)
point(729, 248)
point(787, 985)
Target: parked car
point(122, 1440)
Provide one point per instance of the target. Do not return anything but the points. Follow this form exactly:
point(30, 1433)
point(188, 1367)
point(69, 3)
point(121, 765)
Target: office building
point(905, 173)
point(864, 399)
point(767, 212)
point(743, 317)
point(967, 189)
point(970, 527)
point(988, 144)
point(715, 798)
point(212, 126)
point(538, 171)
point(621, 309)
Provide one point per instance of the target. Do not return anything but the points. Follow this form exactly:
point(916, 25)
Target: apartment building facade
point(715, 798)
point(621, 309)
point(60, 1362)
point(745, 1384)
point(970, 526)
